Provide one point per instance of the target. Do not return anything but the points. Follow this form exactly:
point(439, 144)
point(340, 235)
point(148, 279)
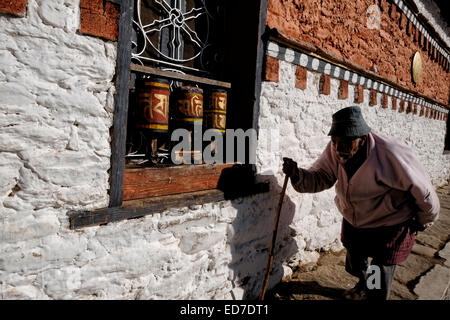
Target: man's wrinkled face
point(346, 147)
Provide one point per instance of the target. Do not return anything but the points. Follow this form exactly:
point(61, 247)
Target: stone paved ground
point(425, 275)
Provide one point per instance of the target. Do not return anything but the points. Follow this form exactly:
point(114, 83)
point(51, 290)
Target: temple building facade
point(97, 198)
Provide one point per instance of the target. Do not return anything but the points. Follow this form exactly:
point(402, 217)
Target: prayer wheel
point(188, 110)
point(152, 99)
point(216, 110)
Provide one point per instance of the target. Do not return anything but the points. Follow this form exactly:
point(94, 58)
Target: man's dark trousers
point(357, 265)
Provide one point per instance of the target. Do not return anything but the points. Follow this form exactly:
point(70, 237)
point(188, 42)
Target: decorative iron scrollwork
point(175, 34)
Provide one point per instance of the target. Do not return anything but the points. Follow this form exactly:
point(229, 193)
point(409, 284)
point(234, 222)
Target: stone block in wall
point(384, 5)
point(100, 19)
point(402, 106)
point(394, 103)
point(272, 69)
point(409, 107)
point(359, 94)
point(403, 21)
point(14, 7)
point(409, 27)
point(325, 84)
point(301, 77)
point(416, 34)
point(425, 44)
point(343, 89)
point(373, 98)
point(384, 101)
point(393, 13)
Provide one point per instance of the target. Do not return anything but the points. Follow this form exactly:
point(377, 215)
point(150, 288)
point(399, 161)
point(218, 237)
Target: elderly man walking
point(382, 191)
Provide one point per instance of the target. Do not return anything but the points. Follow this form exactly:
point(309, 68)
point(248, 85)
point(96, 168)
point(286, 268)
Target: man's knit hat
point(349, 122)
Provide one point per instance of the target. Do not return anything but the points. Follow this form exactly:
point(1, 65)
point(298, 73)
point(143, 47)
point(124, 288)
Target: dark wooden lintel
point(142, 207)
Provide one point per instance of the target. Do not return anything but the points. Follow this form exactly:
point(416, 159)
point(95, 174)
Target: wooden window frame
point(223, 185)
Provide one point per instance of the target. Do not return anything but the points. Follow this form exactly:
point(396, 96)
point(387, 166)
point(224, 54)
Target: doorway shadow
point(250, 234)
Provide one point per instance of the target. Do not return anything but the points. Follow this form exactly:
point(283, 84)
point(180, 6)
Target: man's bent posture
point(382, 191)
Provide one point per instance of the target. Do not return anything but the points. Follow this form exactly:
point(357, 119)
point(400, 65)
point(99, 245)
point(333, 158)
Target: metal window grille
point(179, 35)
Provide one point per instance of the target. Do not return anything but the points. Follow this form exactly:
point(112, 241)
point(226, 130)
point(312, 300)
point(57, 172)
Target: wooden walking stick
point(274, 238)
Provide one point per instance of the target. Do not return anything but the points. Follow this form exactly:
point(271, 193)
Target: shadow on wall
point(250, 235)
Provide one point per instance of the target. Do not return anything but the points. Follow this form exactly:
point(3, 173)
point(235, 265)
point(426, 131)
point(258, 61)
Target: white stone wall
point(56, 103)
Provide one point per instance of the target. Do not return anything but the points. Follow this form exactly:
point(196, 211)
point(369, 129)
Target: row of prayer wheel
point(187, 107)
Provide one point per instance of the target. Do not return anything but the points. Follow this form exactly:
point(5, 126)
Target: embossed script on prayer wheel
point(152, 97)
point(188, 106)
point(216, 110)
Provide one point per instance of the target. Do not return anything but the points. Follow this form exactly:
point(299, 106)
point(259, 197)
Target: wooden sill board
point(154, 182)
point(139, 208)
